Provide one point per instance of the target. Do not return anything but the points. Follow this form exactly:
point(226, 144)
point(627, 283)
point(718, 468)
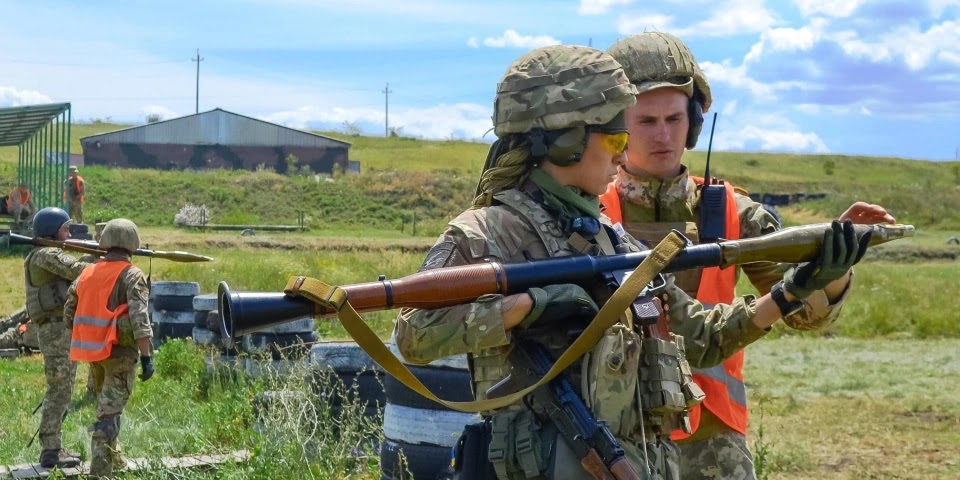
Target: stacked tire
point(208, 326)
point(344, 374)
point(171, 310)
point(279, 350)
point(418, 430)
point(80, 231)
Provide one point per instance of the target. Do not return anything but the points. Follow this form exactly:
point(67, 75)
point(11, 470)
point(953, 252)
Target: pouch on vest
point(47, 300)
point(517, 447)
point(470, 461)
point(125, 332)
point(609, 373)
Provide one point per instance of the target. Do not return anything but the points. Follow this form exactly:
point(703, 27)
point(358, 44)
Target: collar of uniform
point(647, 190)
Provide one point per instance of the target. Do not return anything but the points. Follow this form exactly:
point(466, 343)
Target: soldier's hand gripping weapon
point(248, 312)
point(86, 246)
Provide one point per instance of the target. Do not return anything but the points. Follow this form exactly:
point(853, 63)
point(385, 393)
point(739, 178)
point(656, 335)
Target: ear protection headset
point(562, 147)
point(695, 115)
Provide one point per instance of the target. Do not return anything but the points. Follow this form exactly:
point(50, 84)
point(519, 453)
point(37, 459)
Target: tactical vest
point(95, 330)
point(723, 384)
point(44, 301)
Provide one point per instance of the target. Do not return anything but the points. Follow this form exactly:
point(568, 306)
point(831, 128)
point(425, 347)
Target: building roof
point(20, 123)
point(216, 127)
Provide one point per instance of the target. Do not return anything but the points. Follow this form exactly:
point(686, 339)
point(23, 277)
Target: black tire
point(341, 357)
point(171, 302)
point(364, 387)
point(175, 289)
point(166, 331)
point(279, 346)
point(78, 228)
point(205, 303)
point(774, 212)
point(200, 319)
point(446, 383)
point(425, 462)
point(213, 322)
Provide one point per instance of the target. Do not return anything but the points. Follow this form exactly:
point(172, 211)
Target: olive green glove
point(558, 302)
point(840, 251)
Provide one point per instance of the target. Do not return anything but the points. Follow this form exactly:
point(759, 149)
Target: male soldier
point(73, 194)
point(558, 116)
point(12, 328)
point(107, 310)
point(48, 273)
point(654, 194)
point(20, 205)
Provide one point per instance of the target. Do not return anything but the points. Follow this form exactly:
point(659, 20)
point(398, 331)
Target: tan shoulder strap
point(336, 298)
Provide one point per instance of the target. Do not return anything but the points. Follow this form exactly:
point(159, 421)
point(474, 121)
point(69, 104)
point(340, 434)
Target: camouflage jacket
point(131, 288)
point(650, 200)
point(502, 233)
point(48, 271)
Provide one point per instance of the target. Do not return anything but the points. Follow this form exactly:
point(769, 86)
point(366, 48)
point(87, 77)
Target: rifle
point(592, 441)
point(248, 312)
point(86, 246)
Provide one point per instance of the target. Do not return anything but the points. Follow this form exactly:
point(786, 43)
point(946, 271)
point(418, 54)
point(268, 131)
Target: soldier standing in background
point(73, 191)
point(107, 310)
point(48, 272)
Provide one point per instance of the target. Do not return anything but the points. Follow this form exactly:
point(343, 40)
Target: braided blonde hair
point(510, 170)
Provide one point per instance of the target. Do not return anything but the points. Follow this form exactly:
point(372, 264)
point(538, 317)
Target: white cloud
point(732, 17)
point(787, 39)
point(937, 7)
point(512, 39)
point(729, 108)
point(834, 110)
point(830, 8)
point(462, 120)
point(916, 48)
point(164, 112)
point(737, 78)
point(599, 7)
point(633, 24)
point(12, 97)
point(770, 133)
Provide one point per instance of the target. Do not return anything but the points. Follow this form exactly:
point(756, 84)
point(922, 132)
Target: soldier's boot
point(103, 447)
point(58, 458)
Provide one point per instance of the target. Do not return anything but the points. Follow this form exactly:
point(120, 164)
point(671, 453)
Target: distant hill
point(404, 176)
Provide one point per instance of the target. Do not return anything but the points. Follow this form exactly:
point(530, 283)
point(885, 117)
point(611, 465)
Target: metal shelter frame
point(42, 135)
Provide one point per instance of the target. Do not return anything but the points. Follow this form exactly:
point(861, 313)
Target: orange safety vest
point(78, 183)
point(723, 384)
point(95, 325)
point(22, 195)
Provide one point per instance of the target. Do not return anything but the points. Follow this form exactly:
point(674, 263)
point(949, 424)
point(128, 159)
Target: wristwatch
point(787, 307)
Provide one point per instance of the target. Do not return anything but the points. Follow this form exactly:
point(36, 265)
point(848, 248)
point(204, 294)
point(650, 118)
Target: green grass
point(404, 176)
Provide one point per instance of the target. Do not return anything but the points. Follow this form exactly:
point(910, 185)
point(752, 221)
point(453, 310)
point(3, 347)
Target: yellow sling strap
point(336, 298)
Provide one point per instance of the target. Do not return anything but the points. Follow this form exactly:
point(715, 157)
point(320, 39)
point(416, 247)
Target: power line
point(386, 110)
point(198, 60)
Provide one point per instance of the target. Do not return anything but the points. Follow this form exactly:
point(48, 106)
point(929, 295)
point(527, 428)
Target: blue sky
point(868, 77)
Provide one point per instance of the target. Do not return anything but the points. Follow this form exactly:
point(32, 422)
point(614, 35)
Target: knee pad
point(108, 427)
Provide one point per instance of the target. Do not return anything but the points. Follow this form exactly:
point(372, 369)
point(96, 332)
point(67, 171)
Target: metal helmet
point(560, 86)
point(48, 221)
point(656, 59)
point(120, 233)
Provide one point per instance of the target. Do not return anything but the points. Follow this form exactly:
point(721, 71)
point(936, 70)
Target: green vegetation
point(403, 177)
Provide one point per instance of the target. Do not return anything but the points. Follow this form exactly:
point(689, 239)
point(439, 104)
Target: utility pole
point(198, 60)
point(590, 42)
point(386, 110)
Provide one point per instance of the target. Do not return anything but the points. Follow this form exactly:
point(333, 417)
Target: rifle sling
point(334, 297)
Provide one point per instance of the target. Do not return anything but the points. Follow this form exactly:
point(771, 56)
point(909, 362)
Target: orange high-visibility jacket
point(22, 195)
point(94, 325)
point(78, 184)
point(723, 384)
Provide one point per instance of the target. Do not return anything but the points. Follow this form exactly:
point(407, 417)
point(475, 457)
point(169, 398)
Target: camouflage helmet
point(560, 86)
point(656, 59)
point(120, 233)
point(48, 221)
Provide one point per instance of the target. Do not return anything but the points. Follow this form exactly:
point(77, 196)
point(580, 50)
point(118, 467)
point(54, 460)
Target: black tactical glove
point(840, 251)
point(146, 368)
point(561, 301)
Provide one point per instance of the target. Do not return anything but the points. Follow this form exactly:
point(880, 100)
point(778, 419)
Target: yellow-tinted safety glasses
point(615, 143)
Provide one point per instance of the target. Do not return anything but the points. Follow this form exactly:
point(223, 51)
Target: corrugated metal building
point(214, 139)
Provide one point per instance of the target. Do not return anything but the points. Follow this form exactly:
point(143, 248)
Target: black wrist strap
point(786, 307)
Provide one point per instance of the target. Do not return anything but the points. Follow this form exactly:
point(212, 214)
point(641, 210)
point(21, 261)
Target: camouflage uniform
point(48, 272)
point(74, 188)
point(10, 336)
point(516, 229)
point(114, 377)
point(649, 205)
